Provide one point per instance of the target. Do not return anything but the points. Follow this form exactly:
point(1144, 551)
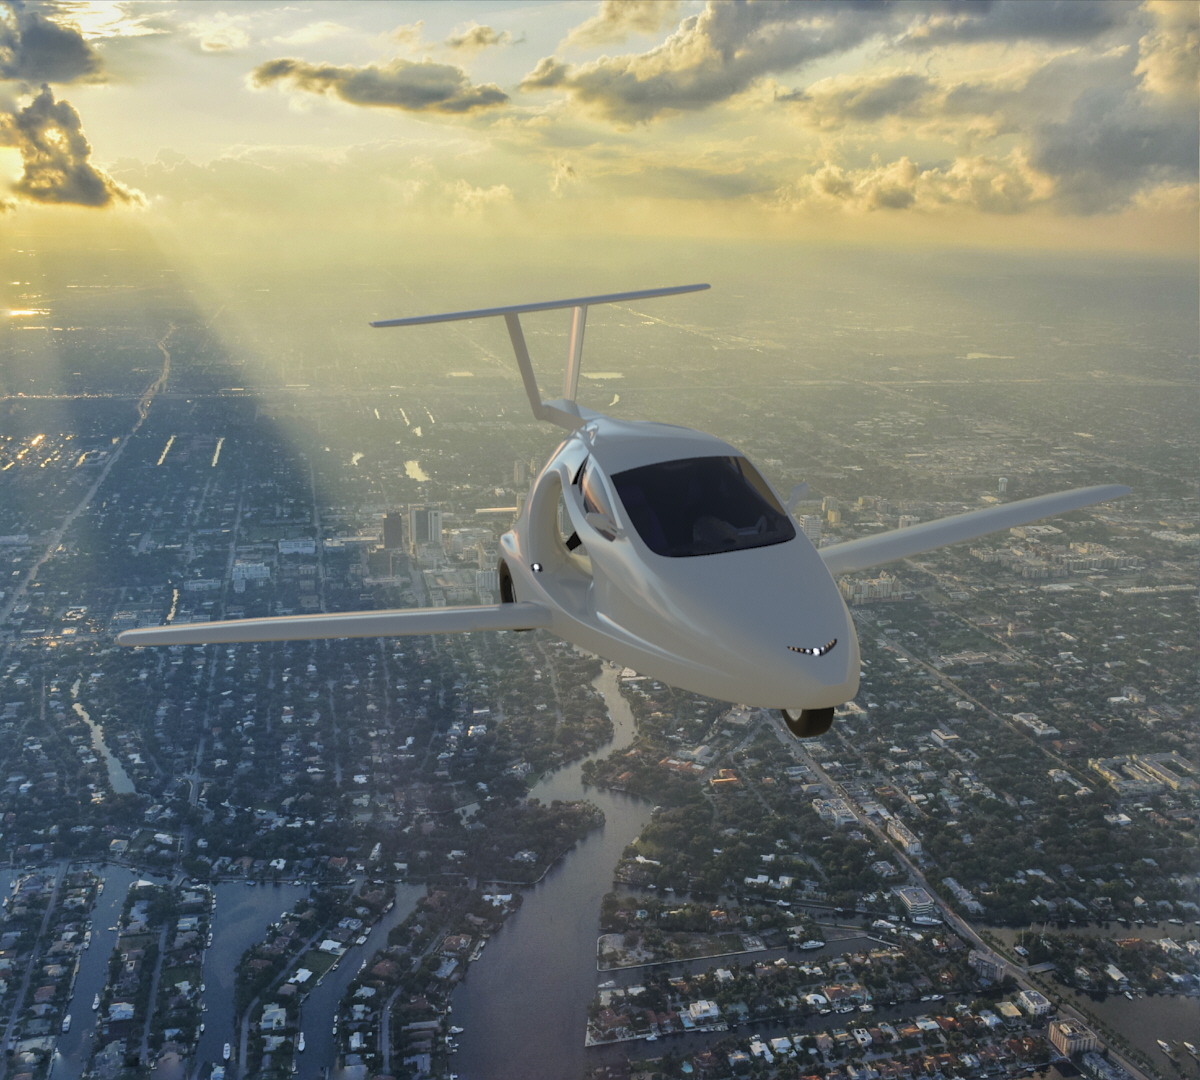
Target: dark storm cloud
point(56, 156)
point(35, 50)
point(401, 84)
point(1114, 145)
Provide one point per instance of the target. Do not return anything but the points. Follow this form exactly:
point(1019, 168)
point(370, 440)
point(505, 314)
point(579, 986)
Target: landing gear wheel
point(508, 592)
point(508, 595)
point(810, 723)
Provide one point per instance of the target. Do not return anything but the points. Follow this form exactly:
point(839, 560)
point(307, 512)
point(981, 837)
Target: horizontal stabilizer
point(542, 305)
point(396, 623)
point(901, 543)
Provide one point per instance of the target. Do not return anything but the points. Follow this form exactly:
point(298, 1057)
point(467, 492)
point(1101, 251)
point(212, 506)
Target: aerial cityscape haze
point(953, 252)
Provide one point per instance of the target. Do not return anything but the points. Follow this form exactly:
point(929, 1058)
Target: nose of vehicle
point(772, 620)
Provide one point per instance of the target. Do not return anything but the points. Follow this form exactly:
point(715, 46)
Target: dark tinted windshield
point(702, 506)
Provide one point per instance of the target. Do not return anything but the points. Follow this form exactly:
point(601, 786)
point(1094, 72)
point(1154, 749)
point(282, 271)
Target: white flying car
point(663, 549)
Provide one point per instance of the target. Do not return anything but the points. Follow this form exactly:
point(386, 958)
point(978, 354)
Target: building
point(907, 521)
point(1033, 1003)
point(811, 526)
point(393, 531)
point(869, 590)
point(1070, 1037)
point(985, 967)
point(917, 902)
point(1002, 486)
point(251, 571)
point(297, 547)
point(424, 527)
point(834, 812)
point(487, 581)
point(704, 1012)
point(905, 837)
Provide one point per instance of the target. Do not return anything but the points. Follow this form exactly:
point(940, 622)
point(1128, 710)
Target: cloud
point(564, 174)
point(220, 32)
point(313, 32)
point(476, 38)
point(409, 35)
point(55, 155)
point(1112, 146)
point(1059, 22)
point(993, 185)
point(617, 19)
point(710, 57)
point(35, 50)
point(400, 84)
point(1167, 56)
point(845, 99)
point(468, 199)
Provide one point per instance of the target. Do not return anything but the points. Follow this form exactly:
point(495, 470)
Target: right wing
point(394, 623)
point(901, 543)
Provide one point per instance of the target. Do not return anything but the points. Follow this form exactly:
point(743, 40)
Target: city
point(356, 856)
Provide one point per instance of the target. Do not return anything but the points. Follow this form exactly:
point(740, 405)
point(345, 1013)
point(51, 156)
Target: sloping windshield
point(702, 506)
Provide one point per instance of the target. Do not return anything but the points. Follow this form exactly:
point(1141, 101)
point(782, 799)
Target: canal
point(523, 1004)
point(320, 1045)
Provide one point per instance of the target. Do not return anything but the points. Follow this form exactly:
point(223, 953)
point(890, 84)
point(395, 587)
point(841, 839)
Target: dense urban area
point(339, 858)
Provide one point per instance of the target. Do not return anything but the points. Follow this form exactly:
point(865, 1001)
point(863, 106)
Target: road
point(56, 537)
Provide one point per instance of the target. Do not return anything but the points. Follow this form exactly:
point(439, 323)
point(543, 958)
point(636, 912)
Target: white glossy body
point(718, 625)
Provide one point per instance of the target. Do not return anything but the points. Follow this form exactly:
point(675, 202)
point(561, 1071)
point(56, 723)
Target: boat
point(201, 1029)
point(812, 944)
point(87, 939)
point(218, 1073)
point(1165, 1047)
point(208, 945)
point(300, 1043)
point(66, 1024)
point(227, 1051)
point(456, 1031)
point(1191, 1049)
point(100, 888)
point(202, 988)
point(95, 1003)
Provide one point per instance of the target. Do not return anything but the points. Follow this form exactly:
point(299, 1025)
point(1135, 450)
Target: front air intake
point(816, 650)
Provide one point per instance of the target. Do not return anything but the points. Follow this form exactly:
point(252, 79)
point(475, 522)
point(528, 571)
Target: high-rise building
point(520, 472)
point(424, 526)
point(811, 524)
point(907, 521)
point(393, 530)
point(1003, 485)
point(829, 503)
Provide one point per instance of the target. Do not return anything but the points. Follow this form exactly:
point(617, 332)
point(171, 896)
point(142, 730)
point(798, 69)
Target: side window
point(595, 497)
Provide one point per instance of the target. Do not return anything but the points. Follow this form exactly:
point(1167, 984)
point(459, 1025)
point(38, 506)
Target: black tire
point(810, 723)
point(508, 594)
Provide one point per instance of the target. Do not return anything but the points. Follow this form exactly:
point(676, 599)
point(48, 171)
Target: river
point(117, 776)
point(524, 1003)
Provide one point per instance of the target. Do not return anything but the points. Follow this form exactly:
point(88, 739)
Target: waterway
point(117, 776)
point(1146, 1019)
point(72, 1051)
point(241, 918)
point(523, 1004)
point(320, 1046)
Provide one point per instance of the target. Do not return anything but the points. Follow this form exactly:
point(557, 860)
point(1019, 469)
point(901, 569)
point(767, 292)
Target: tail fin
point(564, 412)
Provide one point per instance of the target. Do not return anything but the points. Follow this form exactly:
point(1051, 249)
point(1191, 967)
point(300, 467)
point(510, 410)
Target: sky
point(1069, 126)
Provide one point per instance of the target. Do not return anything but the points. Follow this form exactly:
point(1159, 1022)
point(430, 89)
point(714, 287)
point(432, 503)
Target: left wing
point(395, 623)
point(901, 543)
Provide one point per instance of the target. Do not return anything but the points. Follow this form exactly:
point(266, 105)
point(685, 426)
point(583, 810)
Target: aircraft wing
point(901, 543)
point(394, 623)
